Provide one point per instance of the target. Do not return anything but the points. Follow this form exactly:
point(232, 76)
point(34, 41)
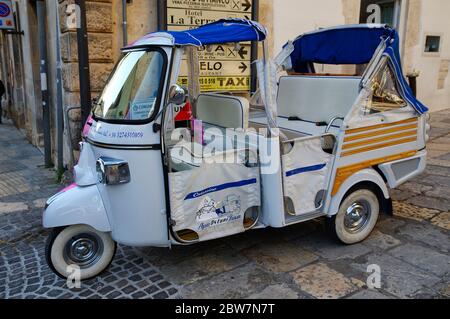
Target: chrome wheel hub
point(83, 250)
point(357, 216)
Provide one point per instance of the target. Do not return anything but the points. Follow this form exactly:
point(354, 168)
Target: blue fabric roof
point(219, 32)
point(222, 31)
point(351, 44)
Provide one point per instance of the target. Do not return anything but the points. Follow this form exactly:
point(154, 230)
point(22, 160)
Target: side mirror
point(177, 95)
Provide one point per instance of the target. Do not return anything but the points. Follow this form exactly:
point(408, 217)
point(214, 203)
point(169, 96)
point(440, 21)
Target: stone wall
point(101, 59)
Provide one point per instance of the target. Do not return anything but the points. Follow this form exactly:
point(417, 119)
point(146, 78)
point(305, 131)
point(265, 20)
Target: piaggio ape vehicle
point(310, 145)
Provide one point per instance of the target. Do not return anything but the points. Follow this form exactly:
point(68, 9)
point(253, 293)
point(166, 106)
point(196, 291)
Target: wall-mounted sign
point(222, 67)
point(6, 15)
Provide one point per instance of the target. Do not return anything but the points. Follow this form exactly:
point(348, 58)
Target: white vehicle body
point(170, 199)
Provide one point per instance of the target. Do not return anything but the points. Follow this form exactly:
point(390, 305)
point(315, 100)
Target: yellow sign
point(222, 67)
point(220, 83)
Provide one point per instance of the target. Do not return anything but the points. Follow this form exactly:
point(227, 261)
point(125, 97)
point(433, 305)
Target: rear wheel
point(357, 217)
point(82, 246)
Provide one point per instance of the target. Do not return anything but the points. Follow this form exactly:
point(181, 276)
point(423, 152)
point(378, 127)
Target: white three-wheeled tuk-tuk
point(309, 145)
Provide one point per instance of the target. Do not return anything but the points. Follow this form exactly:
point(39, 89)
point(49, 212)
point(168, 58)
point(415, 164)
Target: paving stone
point(54, 293)
point(405, 210)
point(416, 187)
point(31, 288)
point(322, 282)
point(105, 290)
point(172, 291)
point(325, 246)
point(446, 156)
point(280, 256)
point(400, 195)
point(208, 263)
point(135, 278)
point(129, 289)
point(110, 279)
point(15, 291)
point(280, 291)
point(145, 283)
point(148, 273)
point(428, 234)
point(423, 258)
point(438, 192)
point(397, 277)
point(43, 290)
point(6, 208)
point(381, 241)
point(438, 170)
point(86, 293)
point(442, 220)
point(236, 284)
point(164, 284)
point(389, 225)
point(138, 295)
point(369, 295)
point(152, 289)
point(440, 204)
point(156, 278)
point(113, 295)
point(445, 291)
point(121, 283)
point(245, 240)
point(160, 295)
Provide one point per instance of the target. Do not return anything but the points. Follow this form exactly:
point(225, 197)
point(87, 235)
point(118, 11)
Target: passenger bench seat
point(316, 98)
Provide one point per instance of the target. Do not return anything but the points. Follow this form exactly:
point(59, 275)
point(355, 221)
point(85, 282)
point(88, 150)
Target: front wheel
point(82, 246)
point(357, 217)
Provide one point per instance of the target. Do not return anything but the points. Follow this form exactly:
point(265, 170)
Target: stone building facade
point(416, 21)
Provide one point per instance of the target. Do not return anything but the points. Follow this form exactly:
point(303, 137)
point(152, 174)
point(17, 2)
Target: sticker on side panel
point(212, 214)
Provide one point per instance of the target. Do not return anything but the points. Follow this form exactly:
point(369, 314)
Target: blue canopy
point(222, 31)
point(351, 44)
point(219, 32)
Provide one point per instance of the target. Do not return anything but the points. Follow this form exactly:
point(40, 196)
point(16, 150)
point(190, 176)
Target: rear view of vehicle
point(367, 130)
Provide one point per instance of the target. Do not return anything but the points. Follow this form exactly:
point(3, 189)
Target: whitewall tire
point(80, 245)
point(357, 217)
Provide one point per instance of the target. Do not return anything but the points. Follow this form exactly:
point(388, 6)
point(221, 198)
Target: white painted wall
point(434, 20)
point(294, 17)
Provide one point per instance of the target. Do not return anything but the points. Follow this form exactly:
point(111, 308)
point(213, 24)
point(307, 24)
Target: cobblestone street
point(412, 248)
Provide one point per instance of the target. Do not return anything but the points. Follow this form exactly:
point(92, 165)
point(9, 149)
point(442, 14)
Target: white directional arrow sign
point(219, 68)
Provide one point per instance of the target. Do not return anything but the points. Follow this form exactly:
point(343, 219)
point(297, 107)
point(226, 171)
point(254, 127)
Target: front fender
point(77, 205)
point(365, 175)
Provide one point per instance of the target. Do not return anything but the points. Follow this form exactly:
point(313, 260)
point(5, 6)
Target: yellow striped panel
point(380, 126)
point(378, 133)
point(379, 146)
point(380, 139)
point(345, 172)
